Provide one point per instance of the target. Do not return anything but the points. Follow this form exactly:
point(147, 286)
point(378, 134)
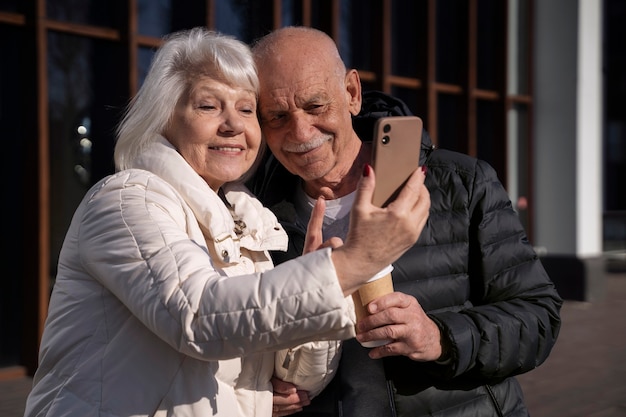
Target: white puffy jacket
point(159, 309)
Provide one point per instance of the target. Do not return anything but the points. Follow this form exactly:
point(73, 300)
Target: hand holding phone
point(395, 155)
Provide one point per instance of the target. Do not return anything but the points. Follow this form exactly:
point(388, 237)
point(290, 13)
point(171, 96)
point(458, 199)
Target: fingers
point(333, 242)
point(283, 387)
point(287, 398)
point(414, 192)
point(313, 239)
point(400, 317)
point(365, 187)
point(383, 304)
point(285, 405)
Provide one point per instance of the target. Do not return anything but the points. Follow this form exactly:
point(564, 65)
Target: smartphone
point(395, 154)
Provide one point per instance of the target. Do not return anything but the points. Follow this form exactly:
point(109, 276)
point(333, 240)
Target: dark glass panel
point(367, 85)
point(144, 58)
point(410, 98)
point(86, 95)
point(15, 6)
point(486, 141)
point(88, 12)
point(291, 12)
point(490, 136)
point(154, 17)
point(17, 109)
point(491, 44)
point(451, 29)
point(361, 42)
point(615, 106)
point(451, 125)
point(321, 15)
point(245, 19)
point(408, 34)
point(159, 17)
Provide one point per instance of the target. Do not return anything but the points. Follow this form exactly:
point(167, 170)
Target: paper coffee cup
point(377, 286)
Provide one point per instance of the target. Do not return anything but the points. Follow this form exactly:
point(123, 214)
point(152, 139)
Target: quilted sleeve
point(513, 321)
point(135, 239)
point(310, 366)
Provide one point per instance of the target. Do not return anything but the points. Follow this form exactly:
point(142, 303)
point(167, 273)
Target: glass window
point(407, 38)
point(85, 103)
point(291, 12)
point(369, 85)
point(245, 19)
point(15, 6)
point(490, 44)
point(451, 132)
point(321, 16)
point(154, 17)
point(228, 18)
point(144, 59)
point(410, 98)
point(451, 48)
point(615, 107)
point(16, 108)
point(92, 12)
point(360, 41)
point(70, 97)
point(488, 144)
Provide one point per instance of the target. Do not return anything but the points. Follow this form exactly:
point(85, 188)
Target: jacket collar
point(262, 231)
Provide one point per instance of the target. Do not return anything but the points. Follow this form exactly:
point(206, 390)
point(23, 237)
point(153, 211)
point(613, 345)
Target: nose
point(232, 122)
point(300, 127)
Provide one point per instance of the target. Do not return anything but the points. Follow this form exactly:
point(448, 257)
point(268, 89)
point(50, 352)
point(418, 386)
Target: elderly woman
point(166, 302)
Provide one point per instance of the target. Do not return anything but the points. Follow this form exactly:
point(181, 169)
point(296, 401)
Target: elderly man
point(473, 305)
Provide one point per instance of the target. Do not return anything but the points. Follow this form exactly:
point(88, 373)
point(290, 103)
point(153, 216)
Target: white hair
point(184, 56)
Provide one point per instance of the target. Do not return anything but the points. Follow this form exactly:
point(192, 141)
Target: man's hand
point(399, 317)
point(287, 398)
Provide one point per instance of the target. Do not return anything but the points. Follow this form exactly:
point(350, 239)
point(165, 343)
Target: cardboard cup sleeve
point(378, 285)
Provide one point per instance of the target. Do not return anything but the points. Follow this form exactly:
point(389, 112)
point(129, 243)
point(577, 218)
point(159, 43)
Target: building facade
point(537, 89)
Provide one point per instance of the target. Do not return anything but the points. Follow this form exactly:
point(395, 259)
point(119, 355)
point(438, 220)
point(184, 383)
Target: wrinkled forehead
point(296, 91)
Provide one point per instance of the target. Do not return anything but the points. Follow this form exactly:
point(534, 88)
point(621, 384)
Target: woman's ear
point(353, 91)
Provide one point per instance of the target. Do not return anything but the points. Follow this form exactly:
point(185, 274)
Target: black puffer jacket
point(474, 273)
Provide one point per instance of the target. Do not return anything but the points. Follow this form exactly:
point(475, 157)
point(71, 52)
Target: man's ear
point(353, 91)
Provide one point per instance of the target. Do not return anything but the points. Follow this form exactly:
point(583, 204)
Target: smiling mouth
point(225, 149)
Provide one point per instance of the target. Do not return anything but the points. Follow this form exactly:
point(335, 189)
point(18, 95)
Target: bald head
point(296, 47)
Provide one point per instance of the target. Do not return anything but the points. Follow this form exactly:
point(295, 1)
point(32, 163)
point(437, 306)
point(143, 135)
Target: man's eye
point(273, 117)
point(274, 121)
point(315, 108)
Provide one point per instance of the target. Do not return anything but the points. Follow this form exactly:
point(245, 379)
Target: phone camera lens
point(385, 139)
point(386, 128)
